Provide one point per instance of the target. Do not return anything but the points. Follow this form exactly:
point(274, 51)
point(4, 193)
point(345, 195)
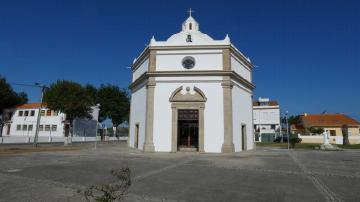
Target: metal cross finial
point(190, 11)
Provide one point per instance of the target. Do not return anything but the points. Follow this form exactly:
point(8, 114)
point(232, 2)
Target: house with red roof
point(333, 124)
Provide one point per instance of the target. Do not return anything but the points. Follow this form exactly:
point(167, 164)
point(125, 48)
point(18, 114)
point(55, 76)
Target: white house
point(266, 117)
point(22, 121)
point(191, 93)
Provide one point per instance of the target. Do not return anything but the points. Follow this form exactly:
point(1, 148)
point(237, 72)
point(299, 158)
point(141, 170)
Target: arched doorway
point(187, 119)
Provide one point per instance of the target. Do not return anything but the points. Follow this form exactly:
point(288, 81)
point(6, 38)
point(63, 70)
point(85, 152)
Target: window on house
point(48, 113)
point(332, 132)
point(190, 26)
point(42, 112)
point(32, 113)
point(47, 127)
point(20, 113)
point(26, 113)
point(18, 127)
point(30, 127)
point(24, 127)
point(273, 127)
point(53, 127)
point(41, 127)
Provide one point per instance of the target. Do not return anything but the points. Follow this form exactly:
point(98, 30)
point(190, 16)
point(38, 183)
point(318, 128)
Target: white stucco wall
point(240, 68)
point(213, 121)
point(242, 114)
point(141, 69)
point(31, 120)
point(204, 60)
point(138, 115)
point(266, 115)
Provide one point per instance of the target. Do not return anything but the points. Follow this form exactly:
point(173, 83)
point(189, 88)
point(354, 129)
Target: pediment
point(196, 95)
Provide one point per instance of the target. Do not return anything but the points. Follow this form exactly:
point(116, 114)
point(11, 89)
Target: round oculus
point(188, 62)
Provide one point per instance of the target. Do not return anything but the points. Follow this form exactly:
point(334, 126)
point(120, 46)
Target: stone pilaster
point(152, 61)
point(228, 145)
point(226, 60)
point(149, 143)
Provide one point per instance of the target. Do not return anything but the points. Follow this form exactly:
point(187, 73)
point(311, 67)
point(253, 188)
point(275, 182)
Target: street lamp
point(287, 129)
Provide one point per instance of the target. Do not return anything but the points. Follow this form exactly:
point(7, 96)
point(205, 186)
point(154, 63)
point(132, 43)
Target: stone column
point(149, 144)
point(228, 145)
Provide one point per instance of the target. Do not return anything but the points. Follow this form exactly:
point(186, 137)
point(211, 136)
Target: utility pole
point(43, 87)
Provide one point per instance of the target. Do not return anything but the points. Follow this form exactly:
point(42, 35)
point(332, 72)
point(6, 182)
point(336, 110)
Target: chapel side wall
point(213, 114)
point(204, 60)
point(138, 116)
point(242, 114)
point(141, 69)
point(240, 68)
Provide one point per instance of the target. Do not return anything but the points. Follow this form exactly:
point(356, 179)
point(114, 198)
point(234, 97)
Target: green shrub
point(294, 139)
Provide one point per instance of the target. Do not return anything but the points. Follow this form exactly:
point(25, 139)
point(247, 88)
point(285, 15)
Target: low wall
point(42, 139)
point(319, 139)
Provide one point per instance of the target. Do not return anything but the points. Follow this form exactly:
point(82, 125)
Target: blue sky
point(307, 53)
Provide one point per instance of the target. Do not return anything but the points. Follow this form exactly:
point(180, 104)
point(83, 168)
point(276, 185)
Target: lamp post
point(287, 129)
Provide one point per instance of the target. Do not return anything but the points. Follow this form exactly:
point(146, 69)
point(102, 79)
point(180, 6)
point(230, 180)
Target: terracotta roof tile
point(30, 105)
point(328, 120)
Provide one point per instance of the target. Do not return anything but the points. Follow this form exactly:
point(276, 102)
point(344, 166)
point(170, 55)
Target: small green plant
point(294, 139)
point(110, 192)
point(317, 131)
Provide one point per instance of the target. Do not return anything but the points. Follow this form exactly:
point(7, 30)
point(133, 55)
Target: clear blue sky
point(307, 53)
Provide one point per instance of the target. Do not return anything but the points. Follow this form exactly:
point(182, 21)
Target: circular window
point(188, 62)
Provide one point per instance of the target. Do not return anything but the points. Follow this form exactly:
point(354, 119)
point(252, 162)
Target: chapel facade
point(191, 93)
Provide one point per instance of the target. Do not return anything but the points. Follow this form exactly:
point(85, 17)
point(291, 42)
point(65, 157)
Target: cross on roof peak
point(190, 12)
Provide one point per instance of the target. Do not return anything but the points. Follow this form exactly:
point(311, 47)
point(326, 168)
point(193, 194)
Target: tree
point(345, 133)
point(8, 99)
point(92, 93)
point(294, 119)
point(70, 98)
point(316, 130)
point(114, 104)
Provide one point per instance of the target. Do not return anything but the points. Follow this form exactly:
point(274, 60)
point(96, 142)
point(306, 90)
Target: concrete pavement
point(263, 175)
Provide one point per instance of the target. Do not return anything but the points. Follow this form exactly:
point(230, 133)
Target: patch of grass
point(285, 145)
point(17, 150)
point(352, 146)
point(303, 145)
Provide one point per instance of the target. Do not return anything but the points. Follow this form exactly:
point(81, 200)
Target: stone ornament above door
point(190, 95)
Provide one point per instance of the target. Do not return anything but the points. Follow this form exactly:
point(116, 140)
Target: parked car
point(284, 138)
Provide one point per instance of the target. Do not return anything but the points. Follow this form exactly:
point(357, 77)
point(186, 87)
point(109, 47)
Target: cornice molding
point(231, 74)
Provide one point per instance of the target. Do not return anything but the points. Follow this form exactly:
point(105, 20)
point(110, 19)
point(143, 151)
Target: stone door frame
point(187, 101)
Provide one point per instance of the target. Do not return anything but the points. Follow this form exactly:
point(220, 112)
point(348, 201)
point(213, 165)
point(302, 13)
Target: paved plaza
point(266, 174)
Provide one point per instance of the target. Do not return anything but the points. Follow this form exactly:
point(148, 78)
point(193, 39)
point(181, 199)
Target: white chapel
point(191, 93)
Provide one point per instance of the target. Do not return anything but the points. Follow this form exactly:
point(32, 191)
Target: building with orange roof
point(333, 124)
point(21, 122)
